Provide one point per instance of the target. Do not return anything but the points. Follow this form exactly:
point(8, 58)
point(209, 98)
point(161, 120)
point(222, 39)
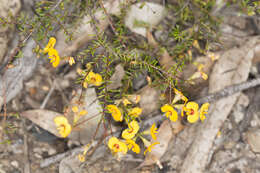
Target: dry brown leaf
point(164, 136)
point(43, 118)
point(232, 68)
point(116, 77)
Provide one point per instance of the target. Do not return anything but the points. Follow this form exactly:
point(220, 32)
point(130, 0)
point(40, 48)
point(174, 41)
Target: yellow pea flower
point(81, 157)
point(132, 145)
point(50, 45)
point(126, 102)
point(115, 145)
point(212, 56)
point(153, 131)
point(199, 73)
point(150, 147)
point(179, 96)
point(71, 61)
point(148, 144)
point(170, 112)
point(135, 112)
point(94, 78)
point(115, 112)
point(75, 109)
point(204, 110)
point(63, 126)
point(54, 57)
point(133, 128)
point(192, 113)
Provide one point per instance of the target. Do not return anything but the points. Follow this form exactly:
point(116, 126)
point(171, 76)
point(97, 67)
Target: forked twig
point(230, 90)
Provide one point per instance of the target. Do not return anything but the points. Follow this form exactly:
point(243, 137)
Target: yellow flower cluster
point(92, 79)
point(131, 116)
point(191, 109)
point(63, 126)
point(130, 134)
point(194, 113)
point(53, 53)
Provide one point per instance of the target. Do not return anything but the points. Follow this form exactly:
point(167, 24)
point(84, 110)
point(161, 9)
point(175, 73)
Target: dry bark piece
point(232, 68)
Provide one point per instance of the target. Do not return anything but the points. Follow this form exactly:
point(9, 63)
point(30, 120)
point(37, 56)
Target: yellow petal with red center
point(174, 116)
point(193, 118)
point(170, 112)
point(133, 128)
point(63, 126)
point(116, 145)
point(191, 110)
point(192, 105)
